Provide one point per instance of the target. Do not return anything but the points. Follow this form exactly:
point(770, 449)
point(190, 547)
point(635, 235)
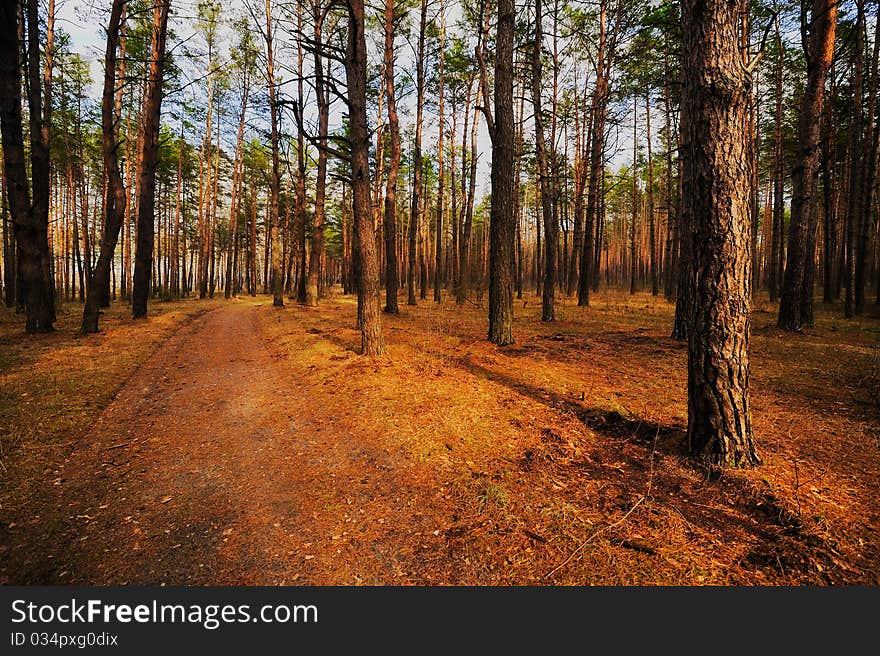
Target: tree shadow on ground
point(636, 457)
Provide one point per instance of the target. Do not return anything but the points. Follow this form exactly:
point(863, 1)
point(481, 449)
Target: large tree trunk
point(366, 262)
point(40, 115)
point(115, 198)
point(796, 304)
point(715, 193)
point(30, 222)
point(502, 228)
point(30, 215)
point(390, 220)
point(143, 260)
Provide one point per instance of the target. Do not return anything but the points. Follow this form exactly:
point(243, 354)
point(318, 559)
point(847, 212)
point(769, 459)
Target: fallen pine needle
point(596, 534)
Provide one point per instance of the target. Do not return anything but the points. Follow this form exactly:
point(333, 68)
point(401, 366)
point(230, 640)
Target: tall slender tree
point(390, 221)
point(367, 265)
point(143, 262)
point(818, 28)
point(439, 270)
point(856, 164)
point(319, 13)
point(652, 228)
point(275, 277)
point(415, 215)
point(551, 231)
point(776, 237)
point(115, 198)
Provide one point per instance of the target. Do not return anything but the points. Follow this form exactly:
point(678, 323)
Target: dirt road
point(213, 465)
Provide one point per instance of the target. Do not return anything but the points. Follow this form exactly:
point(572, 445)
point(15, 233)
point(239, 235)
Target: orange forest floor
point(235, 443)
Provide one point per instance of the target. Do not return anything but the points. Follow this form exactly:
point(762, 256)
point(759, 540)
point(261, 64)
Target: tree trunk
point(673, 238)
point(367, 265)
point(416, 206)
point(503, 214)
point(856, 127)
point(867, 183)
point(633, 262)
point(115, 198)
point(390, 220)
point(30, 215)
point(652, 228)
point(439, 269)
point(582, 132)
point(463, 281)
point(597, 150)
point(796, 304)
point(204, 218)
point(8, 245)
point(520, 130)
point(252, 250)
point(143, 260)
point(40, 115)
point(550, 230)
point(236, 190)
point(776, 246)
point(317, 250)
point(715, 193)
point(277, 279)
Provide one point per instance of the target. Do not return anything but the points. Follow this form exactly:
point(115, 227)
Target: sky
point(84, 21)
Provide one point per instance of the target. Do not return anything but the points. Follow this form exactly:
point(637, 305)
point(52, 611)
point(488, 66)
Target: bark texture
point(143, 259)
point(715, 193)
point(796, 303)
point(502, 229)
point(30, 221)
point(115, 198)
point(391, 267)
point(551, 236)
point(366, 260)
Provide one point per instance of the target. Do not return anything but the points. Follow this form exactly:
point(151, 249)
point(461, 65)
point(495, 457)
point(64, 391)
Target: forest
point(430, 292)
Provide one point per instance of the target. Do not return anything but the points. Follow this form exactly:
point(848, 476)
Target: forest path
point(213, 465)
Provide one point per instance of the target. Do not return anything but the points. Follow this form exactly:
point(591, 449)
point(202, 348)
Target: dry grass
point(557, 460)
point(570, 442)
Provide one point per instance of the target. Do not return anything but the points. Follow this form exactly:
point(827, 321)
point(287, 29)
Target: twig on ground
point(596, 534)
point(620, 521)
